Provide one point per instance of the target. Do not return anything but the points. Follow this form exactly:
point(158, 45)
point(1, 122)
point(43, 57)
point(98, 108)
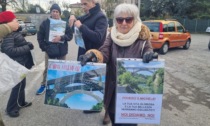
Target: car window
point(153, 26)
point(179, 27)
point(165, 28)
point(171, 27)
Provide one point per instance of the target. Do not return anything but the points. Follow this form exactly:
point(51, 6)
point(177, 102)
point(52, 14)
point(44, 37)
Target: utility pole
point(139, 5)
point(24, 6)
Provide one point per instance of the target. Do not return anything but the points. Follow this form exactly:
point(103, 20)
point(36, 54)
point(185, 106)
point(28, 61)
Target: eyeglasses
point(128, 20)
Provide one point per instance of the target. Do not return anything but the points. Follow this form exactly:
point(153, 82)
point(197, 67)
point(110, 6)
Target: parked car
point(31, 28)
point(23, 26)
point(209, 45)
point(168, 34)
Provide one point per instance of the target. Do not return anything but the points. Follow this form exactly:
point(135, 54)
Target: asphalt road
point(186, 99)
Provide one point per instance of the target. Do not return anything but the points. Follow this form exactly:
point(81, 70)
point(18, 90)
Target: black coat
point(16, 47)
point(93, 29)
point(49, 47)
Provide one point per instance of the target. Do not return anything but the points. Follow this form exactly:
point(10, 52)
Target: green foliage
point(125, 78)
point(121, 69)
point(142, 83)
point(66, 14)
point(109, 6)
point(175, 8)
point(32, 9)
point(52, 101)
point(98, 106)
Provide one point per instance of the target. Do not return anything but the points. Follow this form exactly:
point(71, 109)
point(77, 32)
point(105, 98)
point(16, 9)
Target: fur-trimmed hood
point(144, 33)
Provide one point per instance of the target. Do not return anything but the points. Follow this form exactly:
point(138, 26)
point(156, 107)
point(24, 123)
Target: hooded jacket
point(5, 29)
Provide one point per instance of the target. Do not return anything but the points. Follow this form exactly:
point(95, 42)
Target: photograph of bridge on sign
point(139, 91)
point(73, 86)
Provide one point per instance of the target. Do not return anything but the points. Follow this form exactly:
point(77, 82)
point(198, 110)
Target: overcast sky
point(46, 3)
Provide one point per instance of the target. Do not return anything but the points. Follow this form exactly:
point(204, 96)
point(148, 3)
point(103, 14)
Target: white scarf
point(128, 38)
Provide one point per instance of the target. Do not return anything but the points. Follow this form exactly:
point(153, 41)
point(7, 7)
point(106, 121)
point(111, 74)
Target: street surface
point(186, 99)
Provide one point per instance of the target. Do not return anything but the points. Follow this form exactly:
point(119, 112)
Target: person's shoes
point(90, 111)
point(106, 119)
point(41, 90)
point(13, 113)
point(27, 104)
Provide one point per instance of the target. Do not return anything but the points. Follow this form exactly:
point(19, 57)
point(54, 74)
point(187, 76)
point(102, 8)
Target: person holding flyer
point(93, 25)
point(128, 38)
point(53, 36)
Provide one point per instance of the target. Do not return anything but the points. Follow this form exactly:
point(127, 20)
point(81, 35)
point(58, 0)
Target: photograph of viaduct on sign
point(80, 90)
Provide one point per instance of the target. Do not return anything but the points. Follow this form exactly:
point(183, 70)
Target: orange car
point(168, 34)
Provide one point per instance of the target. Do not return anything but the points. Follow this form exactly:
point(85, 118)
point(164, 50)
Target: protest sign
point(139, 91)
point(73, 86)
point(57, 28)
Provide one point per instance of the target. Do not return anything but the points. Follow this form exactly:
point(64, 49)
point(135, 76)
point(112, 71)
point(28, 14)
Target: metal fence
point(195, 25)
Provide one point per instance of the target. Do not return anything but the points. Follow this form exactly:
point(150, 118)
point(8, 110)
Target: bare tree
point(4, 3)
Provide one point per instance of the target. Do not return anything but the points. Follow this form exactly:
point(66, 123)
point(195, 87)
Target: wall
point(36, 19)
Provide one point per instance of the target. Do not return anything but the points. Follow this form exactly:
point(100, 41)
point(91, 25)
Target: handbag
point(11, 73)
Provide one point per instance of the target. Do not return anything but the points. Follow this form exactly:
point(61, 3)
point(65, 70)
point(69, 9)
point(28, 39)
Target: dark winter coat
point(16, 47)
point(49, 47)
point(111, 52)
point(93, 29)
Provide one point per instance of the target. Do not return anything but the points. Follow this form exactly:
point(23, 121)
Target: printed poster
point(139, 91)
point(73, 86)
point(57, 28)
point(78, 38)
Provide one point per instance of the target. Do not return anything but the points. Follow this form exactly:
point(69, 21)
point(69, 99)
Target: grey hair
point(125, 8)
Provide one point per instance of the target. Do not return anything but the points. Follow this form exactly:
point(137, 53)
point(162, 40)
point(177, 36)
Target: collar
point(95, 9)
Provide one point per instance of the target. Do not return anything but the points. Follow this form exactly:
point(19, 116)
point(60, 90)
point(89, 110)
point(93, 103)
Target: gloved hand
point(148, 56)
point(87, 58)
point(31, 46)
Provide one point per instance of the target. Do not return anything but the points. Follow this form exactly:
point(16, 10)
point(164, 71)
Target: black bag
point(53, 50)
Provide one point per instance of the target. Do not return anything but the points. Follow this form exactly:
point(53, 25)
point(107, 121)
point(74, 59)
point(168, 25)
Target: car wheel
point(164, 48)
point(33, 33)
point(187, 44)
point(209, 45)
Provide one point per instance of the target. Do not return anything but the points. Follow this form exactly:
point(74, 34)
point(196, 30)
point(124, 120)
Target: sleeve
point(68, 34)
point(106, 49)
point(147, 47)
point(41, 37)
point(99, 31)
point(4, 30)
point(8, 47)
